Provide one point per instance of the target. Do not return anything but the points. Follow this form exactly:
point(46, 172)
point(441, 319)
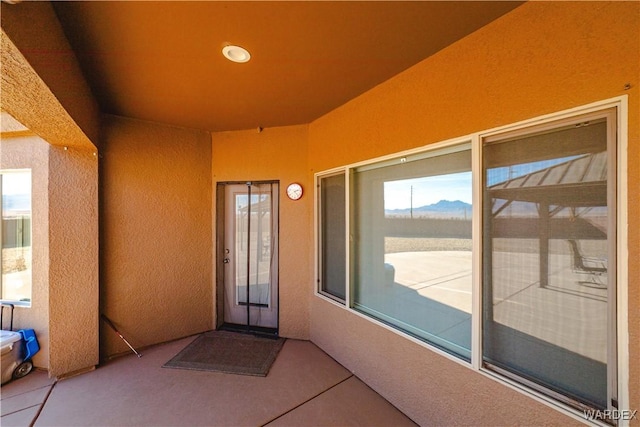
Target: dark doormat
point(228, 352)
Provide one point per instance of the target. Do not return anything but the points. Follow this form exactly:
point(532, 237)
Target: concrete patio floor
point(305, 387)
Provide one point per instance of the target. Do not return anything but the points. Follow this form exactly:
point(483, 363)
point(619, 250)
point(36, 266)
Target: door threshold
point(253, 330)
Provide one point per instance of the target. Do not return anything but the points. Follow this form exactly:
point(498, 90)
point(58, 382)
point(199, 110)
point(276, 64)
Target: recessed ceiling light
point(236, 53)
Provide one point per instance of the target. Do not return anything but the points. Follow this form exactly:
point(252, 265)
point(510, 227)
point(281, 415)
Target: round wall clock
point(294, 191)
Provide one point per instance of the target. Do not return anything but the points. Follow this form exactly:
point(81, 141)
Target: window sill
point(24, 304)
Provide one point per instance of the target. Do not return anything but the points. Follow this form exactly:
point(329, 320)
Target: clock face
point(294, 191)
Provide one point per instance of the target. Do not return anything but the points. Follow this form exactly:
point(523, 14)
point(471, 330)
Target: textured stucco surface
point(156, 282)
point(72, 182)
point(73, 255)
point(277, 154)
point(541, 58)
point(27, 98)
point(34, 29)
point(31, 152)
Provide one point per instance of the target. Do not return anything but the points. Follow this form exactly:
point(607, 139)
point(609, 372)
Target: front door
point(250, 255)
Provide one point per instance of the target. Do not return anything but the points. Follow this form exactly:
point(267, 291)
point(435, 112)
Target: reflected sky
point(16, 192)
point(427, 191)
point(16, 183)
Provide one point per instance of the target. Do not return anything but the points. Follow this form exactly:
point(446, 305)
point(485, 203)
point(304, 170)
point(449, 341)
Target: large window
point(549, 281)
point(524, 284)
point(411, 245)
point(15, 186)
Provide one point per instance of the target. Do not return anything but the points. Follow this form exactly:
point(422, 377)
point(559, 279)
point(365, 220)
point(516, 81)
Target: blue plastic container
point(31, 346)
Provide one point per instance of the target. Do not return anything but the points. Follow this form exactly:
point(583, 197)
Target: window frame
point(450, 151)
point(17, 303)
point(552, 125)
point(620, 365)
point(318, 235)
point(617, 155)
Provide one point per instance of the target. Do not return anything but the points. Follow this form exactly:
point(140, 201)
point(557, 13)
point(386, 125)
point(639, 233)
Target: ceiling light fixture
point(236, 53)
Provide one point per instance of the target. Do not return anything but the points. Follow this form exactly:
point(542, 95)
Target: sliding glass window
point(549, 258)
point(332, 232)
point(411, 245)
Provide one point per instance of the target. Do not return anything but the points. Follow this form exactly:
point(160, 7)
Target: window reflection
point(413, 248)
point(16, 235)
point(546, 261)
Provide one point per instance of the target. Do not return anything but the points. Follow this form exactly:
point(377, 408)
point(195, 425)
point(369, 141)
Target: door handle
point(226, 260)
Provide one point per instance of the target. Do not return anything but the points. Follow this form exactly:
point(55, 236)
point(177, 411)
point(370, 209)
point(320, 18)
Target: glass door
point(250, 255)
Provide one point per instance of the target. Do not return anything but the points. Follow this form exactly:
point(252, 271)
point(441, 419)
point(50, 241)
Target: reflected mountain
point(442, 209)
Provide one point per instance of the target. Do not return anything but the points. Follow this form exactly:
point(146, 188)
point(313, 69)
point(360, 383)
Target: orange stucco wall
point(34, 28)
point(541, 58)
point(65, 252)
point(71, 259)
point(156, 222)
point(277, 154)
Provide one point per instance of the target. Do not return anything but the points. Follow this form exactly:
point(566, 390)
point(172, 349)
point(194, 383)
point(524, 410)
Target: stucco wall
point(34, 29)
point(541, 58)
point(65, 252)
point(72, 179)
point(277, 154)
point(156, 222)
point(73, 255)
point(31, 152)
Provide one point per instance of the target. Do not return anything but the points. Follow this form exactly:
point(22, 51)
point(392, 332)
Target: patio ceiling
point(162, 61)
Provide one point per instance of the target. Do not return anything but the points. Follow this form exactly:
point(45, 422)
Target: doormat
point(228, 352)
